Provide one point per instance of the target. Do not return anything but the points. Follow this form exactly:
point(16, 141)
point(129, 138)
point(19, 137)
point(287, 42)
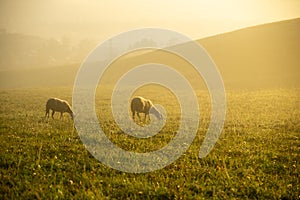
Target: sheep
point(142, 105)
point(58, 105)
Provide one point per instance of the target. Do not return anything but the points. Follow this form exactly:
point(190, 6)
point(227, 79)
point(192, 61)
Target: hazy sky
point(100, 19)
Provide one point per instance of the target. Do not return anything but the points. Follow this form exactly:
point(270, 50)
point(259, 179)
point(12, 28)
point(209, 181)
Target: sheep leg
point(61, 115)
point(138, 114)
point(133, 113)
point(53, 114)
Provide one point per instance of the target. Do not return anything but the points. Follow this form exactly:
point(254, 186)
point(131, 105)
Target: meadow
point(256, 157)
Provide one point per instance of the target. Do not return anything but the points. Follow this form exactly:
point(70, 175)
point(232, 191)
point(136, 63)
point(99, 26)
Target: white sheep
point(142, 105)
point(58, 105)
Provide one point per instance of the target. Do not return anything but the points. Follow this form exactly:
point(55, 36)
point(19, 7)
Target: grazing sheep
point(58, 105)
point(142, 105)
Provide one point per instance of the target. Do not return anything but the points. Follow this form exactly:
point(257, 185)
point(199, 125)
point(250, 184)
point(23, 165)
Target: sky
point(100, 19)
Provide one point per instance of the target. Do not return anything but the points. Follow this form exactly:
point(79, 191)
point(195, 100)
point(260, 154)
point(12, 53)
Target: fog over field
point(264, 56)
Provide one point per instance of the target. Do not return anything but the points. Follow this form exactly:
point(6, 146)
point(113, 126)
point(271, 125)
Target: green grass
point(256, 157)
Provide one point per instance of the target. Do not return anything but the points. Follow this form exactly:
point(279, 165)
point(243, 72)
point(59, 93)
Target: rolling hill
point(263, 56)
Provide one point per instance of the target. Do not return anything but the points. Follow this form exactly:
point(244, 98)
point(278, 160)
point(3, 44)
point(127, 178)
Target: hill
point(263, 56)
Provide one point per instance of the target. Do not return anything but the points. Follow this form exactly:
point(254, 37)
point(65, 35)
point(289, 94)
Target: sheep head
point(156, 113)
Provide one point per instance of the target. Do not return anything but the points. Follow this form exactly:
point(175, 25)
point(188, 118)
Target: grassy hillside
point(264, 56)
point(260, 56)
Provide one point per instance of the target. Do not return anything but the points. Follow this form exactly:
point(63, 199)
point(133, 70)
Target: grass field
point(256, 157)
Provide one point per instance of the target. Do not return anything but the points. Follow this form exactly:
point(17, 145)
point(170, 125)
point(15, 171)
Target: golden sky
point(99, 19)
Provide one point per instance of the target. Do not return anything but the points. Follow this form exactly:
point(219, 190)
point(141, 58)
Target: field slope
point(264, 56)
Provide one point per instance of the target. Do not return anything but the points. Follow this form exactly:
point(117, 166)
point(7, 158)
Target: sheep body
point(142, 105)
point(58, 105)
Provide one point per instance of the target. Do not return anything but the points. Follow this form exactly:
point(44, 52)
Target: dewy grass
point(256, 157)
